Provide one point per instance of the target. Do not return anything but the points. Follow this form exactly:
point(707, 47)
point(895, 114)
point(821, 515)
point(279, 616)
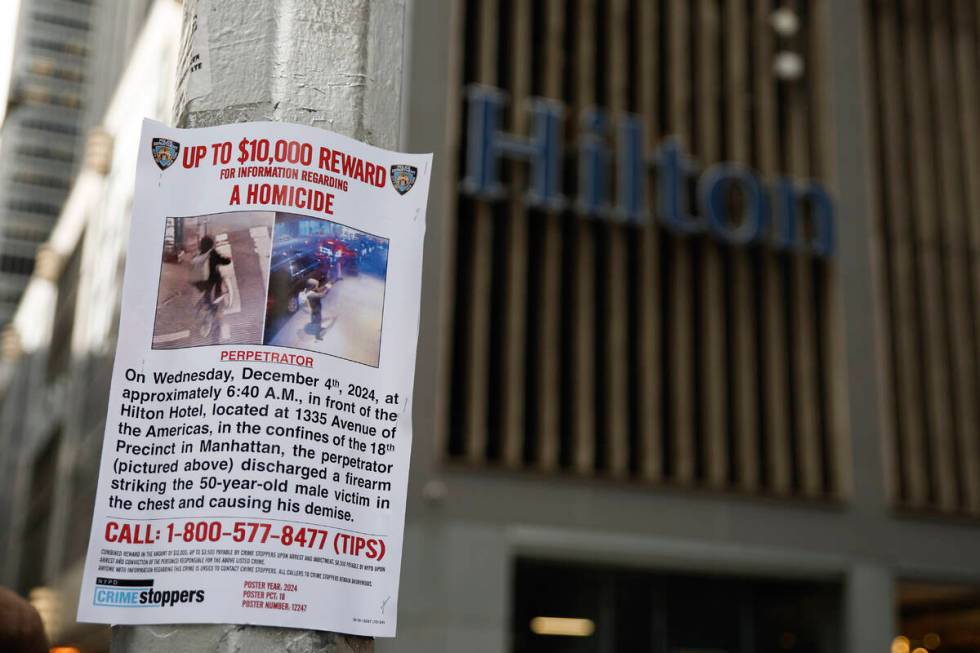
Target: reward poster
point(256, 452)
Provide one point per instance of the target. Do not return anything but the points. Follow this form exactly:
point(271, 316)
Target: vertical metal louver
point(603, 348)
point(924, 63)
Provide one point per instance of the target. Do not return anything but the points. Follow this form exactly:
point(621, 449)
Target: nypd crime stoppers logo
point(164, 152)
point(403, 177)
point(139, 593)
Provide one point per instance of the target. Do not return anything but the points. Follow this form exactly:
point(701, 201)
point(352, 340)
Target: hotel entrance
point(566, 608)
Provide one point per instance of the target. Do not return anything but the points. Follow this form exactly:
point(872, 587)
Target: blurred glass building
point(698, 367)
point(67, 56)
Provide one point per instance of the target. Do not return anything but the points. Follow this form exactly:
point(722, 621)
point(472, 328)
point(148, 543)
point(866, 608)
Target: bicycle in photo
point(208, 311)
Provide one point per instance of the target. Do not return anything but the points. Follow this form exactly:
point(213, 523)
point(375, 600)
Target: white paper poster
point(256, 452)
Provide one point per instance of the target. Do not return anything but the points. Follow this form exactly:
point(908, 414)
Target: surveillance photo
point(213, 280)
point(326, 288)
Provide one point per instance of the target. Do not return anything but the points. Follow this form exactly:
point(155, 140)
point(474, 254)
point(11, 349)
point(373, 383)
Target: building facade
point(63, 335)
point(67, 58)
point(698, 365)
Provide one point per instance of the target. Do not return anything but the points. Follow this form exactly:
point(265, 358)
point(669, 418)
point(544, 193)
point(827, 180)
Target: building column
point(869, 609)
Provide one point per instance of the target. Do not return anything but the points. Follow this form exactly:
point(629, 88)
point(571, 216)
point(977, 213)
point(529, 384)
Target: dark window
point(42, 181)
point(49, 126)
point(562, 608)
point(60, 47)
point(30, 206)
point(41, 152)
point(16, 264)
point(61, 21)
point(32, 236)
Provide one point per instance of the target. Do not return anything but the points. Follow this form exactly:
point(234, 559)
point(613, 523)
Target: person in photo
point(315, 292)
point(210, 260)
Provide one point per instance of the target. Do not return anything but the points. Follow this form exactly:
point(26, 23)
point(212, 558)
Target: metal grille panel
point(924, 60)
point(597, 347)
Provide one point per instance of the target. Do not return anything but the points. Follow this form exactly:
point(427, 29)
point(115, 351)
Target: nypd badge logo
point(164, 152)
point(403, 178)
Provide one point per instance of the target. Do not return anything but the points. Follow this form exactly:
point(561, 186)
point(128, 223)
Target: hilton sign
point(771, 215)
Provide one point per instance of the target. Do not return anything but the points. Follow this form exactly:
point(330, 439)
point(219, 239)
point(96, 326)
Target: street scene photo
point(326, 289)
point(213, 279)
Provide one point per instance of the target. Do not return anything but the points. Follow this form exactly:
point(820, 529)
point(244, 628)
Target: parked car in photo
point(338, 255)
point(287, 277)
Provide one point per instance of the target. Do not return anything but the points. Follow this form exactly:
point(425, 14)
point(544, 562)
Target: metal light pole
point(335, 64)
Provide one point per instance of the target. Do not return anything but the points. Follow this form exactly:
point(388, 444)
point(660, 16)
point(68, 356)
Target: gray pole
point(335, 64)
